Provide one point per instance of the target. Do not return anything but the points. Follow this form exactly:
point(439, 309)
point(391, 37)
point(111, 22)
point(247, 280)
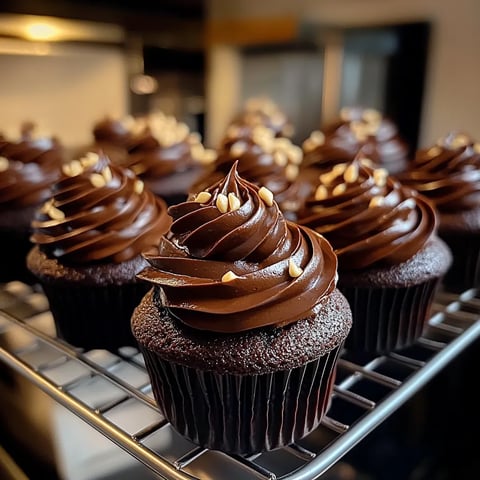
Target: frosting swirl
point(369, 217)
point(98, 212)
point(448, 173)
point(357, 129)
point(27, 169)
point(264, 160)
point(231, 262)
point(164, 148)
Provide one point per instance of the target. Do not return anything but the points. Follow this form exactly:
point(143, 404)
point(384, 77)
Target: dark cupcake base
point(91, 317)
point(242, 414)
point(387, 319)
point(464, 272)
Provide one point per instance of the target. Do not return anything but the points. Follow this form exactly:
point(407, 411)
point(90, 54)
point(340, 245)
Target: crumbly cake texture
point(432, 261)
point(51, 270)
point(259, 351)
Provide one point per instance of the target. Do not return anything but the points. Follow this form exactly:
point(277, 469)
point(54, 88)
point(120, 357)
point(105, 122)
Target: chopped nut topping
point(371, 115)
point(139, 168)
point(321, 193)
point(317, 138)
point(233, 131)
point(339, 189)
point(46, 206)
point(72, 168)
point(138, 186)
point(434, 151)
point(194, 137)
point(55, 213)
point(4, 164)
point(328, 178)
point(380, 177)
point(293, 269)
point(197, 151)
point(107, 174)
point(229, 276)
point(345, 114)
point(97, 180)
point(366, 162)
point(291, 172)
point(280, 158)
point(308, 146)
point(90, 159)
point(295, 154)
point(222, 203)
point(266, 195)
point(238, 149)
point(339, 168)
point(459, 141)
point(351, 173)
point(233, 202)
point(376, 202)
point(203, 197)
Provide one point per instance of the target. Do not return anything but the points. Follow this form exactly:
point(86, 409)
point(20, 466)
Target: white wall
point(452, 95)
point(63, 92)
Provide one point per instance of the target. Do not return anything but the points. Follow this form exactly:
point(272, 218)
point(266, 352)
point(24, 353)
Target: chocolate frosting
point(164, 150)
point(245, 268)
point(27, 169)
point(448, 173)
point(264, 160)
point(262, 112)
point(357, 129)
point(370, 218)
point(98, 212)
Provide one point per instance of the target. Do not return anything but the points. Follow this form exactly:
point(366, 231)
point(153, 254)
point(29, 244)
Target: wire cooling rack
point(111, 391)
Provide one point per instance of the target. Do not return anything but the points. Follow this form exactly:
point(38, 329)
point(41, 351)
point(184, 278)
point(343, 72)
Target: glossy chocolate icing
point(242, 269)
point(357, 129)
point(370, 218)
point(448, 173)
point(264, 160)
point(28, 166)
point(98, 212)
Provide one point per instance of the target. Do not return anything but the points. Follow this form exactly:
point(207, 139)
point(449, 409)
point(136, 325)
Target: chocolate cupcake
point(264, 112)
point(356, 129)
point(243, 325)
point(88, 240)
point(167, 157)
point(448, 173)
point(28, 166)
point(390, 258)
point(264, 160)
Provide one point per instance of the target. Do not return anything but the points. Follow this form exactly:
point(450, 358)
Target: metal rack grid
point(98, 386)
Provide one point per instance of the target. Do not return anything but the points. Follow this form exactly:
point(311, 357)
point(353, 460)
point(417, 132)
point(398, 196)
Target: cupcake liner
point(92, 317)
point(387, 319)
point(14, 266)
point(464, 272)
point(242, 414)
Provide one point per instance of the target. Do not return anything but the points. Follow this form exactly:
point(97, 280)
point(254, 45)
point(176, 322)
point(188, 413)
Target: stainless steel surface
point(111, 391)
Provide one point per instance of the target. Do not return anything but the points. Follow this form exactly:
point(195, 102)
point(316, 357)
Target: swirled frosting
point(166, 155)
point(231, 261)
point(448, 173)
point(28, 166)
point(357, 129)
point(98, 212)
point(262, 111)
point(370, 218)
point(264, 160)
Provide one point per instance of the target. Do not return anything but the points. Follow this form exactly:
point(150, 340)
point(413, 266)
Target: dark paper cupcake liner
point(464, 272)
point(95, 317)
point(387, 319)
point(16, 246)
point(242, 414)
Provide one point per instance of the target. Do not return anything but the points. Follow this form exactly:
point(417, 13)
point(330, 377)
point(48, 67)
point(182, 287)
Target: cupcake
point(88, 239)
point(112, 136)
point(28, 166)
point(167, 157)
point(356, 129)
point(448, 173)
point(262, 111)
point(264, 160)
point(390, 259)
point(243, 325)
